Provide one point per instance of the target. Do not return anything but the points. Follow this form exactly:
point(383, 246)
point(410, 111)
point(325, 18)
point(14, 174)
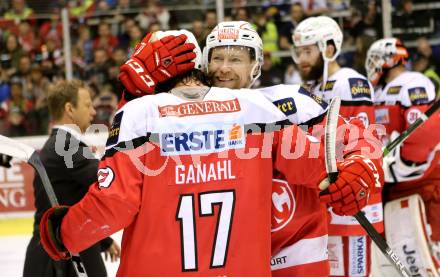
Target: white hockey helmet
point(318, 30)
point(384, 53)
point(235, 33)
point(191, 39)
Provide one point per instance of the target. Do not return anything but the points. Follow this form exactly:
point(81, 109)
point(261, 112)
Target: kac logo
point(283, 204)
point(105, 177)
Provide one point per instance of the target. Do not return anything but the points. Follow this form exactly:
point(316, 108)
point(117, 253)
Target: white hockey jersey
point(355, 91)
point(398, 104)
point(297, 104)
point(356, 94)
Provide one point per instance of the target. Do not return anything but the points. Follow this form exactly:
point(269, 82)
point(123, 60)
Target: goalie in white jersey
point(412, 170)
point(317, 42)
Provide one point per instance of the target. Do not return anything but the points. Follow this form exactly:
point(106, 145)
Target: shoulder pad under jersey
point(129, 122)
point(352, 86)
point(298, 104)
point(417, 89)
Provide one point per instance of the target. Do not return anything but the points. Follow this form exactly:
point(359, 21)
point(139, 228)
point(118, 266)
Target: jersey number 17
point(186, 216)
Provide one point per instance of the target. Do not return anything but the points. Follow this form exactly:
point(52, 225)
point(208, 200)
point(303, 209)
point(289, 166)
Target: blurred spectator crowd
point(104, 33)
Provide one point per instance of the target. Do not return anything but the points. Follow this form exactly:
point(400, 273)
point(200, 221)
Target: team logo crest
point(105, 177)
point(413, 115)
point(283, 204)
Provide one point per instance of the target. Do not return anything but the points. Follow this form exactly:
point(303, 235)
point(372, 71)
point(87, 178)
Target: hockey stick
point(423, 117)
point(332, 171)
point(29, 155)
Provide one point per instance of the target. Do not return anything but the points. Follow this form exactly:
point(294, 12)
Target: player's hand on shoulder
point(155, 62)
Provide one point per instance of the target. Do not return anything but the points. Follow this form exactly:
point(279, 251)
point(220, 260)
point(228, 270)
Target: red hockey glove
point(50, 225)
point(358, 177)
point(154, 62)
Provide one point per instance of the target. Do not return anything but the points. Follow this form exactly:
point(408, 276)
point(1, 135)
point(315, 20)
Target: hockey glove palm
point(154, 62)
point(50, 226)
point(358, 177)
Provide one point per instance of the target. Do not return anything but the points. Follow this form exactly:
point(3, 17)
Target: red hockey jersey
point(357, 97)
point(399, 104)
point(190, 183)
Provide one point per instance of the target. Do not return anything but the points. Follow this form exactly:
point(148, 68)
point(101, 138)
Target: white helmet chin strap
point(326, 65)
point(325, 74)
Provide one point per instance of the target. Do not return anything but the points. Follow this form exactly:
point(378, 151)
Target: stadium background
point(43, 41)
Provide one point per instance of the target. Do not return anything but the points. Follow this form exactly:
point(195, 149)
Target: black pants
point(38, 264)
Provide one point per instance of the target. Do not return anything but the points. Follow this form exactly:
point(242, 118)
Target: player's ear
point(256, 68)
point(330, 50)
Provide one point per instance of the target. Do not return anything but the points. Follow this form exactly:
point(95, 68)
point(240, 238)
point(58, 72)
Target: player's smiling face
point(230, 67)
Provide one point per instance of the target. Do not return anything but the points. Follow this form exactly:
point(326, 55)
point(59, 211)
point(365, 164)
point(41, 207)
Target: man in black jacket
point(71, 168)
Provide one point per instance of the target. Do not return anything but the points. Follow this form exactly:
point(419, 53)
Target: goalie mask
point(384, 54)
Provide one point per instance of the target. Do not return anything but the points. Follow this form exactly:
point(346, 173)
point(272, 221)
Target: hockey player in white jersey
point(233, 58)
point(317, 42)
point(412, 170)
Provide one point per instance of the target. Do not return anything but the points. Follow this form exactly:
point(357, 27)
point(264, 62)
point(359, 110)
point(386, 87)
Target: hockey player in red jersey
point(233, 57)
point(176, 177)
point(401, 97)
point(317, 42)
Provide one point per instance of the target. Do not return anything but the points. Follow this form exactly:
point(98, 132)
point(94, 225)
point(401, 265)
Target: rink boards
point(16, 190)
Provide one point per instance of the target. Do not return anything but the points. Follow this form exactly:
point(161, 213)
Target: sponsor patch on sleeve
point(394, 90)
point(382, 116)
point(359, 88)
point(286, 105)
point(328, 86)
point(113, 134)
point(418, 95)
point(317, 99)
